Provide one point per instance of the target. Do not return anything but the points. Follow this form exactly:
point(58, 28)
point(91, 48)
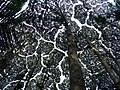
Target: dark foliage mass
point(52, 43)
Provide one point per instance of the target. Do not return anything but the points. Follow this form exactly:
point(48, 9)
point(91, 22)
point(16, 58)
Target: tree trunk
point(108, 69)
point(103, 61)
point(76, 75)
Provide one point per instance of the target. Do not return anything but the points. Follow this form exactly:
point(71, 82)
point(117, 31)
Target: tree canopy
point(60, 45)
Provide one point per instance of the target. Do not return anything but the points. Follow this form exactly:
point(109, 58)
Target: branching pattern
point(42, 64)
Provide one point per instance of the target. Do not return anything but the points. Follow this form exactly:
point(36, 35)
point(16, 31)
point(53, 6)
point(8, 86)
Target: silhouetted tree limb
point(103, 61)
point(76, 75)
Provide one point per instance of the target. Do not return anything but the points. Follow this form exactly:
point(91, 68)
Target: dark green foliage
point(100, 19)
point(117, 15)
point(117, 3)
point(8, 36)
point(8, 9)
point(42, 61)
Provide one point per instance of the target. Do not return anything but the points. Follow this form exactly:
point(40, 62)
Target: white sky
point(112, 1)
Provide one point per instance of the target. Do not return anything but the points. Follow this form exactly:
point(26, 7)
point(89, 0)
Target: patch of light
point(112, 2)
point(23, 8)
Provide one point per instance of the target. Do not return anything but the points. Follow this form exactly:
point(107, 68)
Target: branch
point(103, 61)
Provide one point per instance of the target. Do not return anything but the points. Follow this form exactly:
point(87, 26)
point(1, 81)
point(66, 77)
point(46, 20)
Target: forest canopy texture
point(59, 44)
